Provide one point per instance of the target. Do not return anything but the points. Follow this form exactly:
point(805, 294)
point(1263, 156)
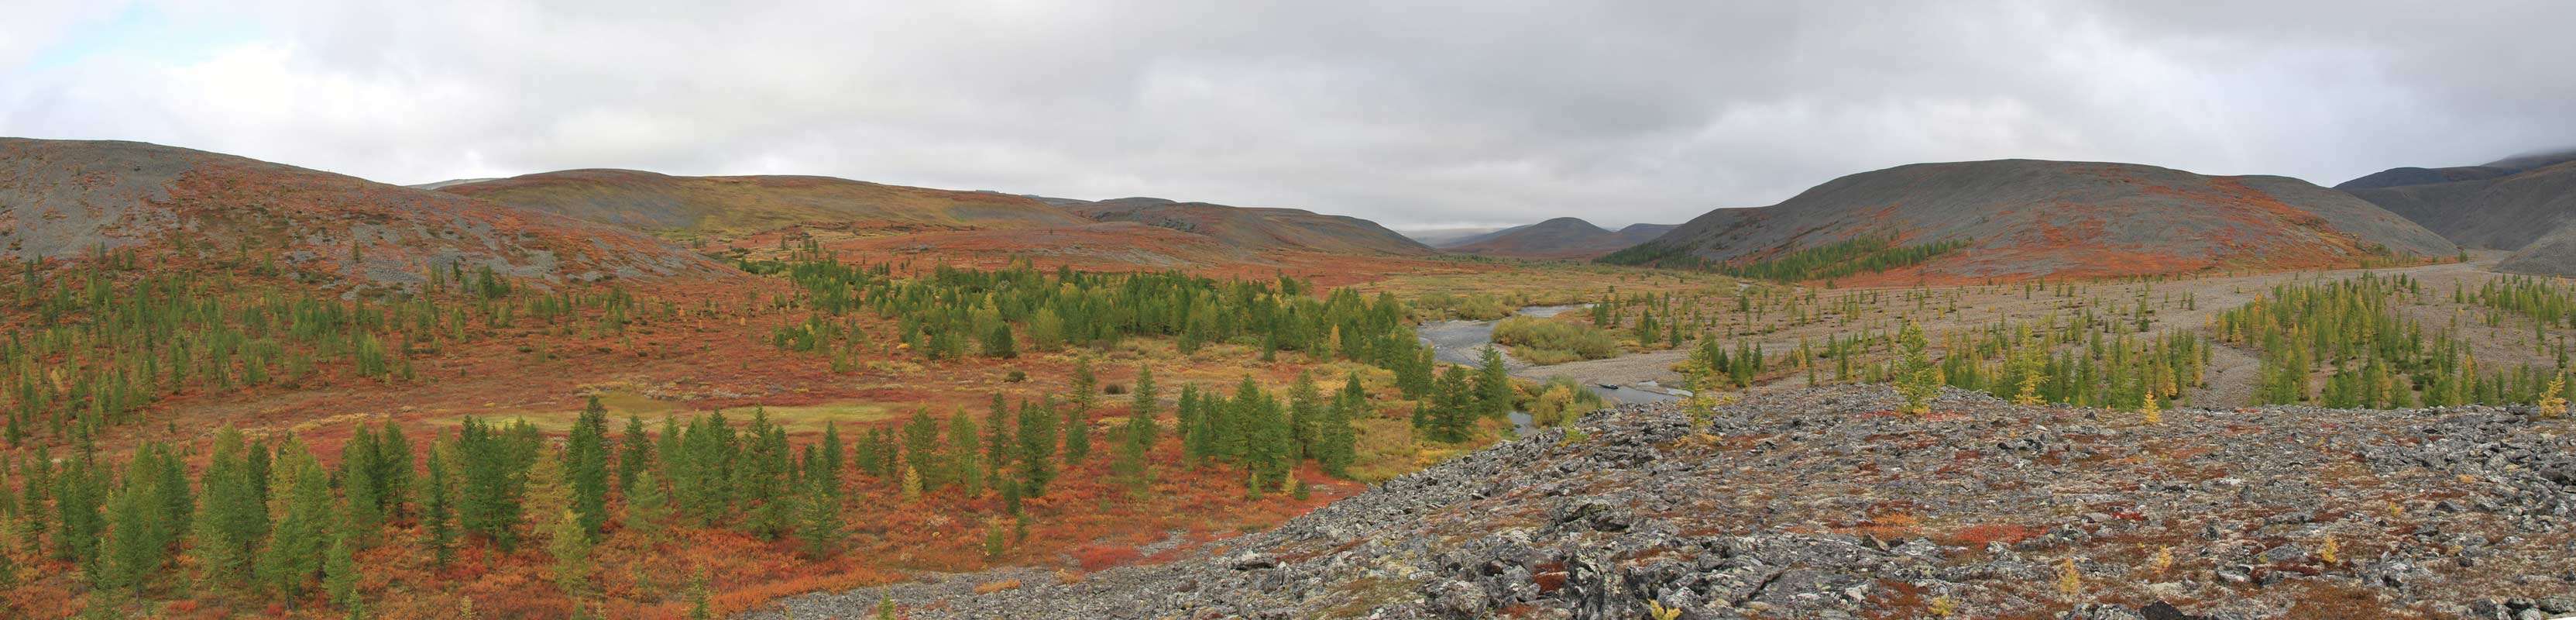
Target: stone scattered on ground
point(1820, 503)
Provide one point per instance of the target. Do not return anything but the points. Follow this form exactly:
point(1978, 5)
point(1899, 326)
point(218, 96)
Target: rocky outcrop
point(1819, 503)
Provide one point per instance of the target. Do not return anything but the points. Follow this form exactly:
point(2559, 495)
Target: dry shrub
point(1093, 557)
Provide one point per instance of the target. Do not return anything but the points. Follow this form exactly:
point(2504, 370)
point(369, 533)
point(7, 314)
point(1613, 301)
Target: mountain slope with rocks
point(2503, 205)
point(2553, 254)
point(1819, 503)
point(1563, 237)
point(1258, 229)
point(735, 205)
point(64, 198)
point(2027, 218)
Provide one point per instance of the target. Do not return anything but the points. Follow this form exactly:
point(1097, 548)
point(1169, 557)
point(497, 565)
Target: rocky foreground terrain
point(1818, 503)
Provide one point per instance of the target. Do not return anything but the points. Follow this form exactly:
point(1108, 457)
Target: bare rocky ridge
point(2051, 218)
point(1816, 503)
point(2553, 254)
point(2506, 204)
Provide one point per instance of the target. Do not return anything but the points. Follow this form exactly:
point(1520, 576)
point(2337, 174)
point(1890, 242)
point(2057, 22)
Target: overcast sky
point(1410, 113)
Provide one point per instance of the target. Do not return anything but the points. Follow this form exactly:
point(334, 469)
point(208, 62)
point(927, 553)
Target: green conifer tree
point(1493, 385)
point(1038, 443)
point(818, 519)
point(437, 508)
point(963, 444)
point(569, 545)
point(586, 466)
point(648, 506)
point(634, 454)
point(1080, 398)
point(340, 571)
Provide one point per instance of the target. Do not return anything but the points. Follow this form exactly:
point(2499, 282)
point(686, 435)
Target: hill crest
point(2033, 218)
point(62, 198)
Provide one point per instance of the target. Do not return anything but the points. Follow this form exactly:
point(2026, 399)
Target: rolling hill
point(1563, 237)
point(2504, 204)
point(2028, 218)
point(62, 199)
point(1259, 229)
point(738, 205)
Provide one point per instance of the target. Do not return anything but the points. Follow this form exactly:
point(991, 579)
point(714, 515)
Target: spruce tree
point(490, 484)
point(1037, 446)
point(924, 451)
point(1267, 441)
point(437, 510)
point(1337, 443)
point(963, 444)
point(232, 519)
point(393, 470)
point(1082, 396)
point(999, 345)
point(1192, 430)
point(834, 453)
point(1453, 417)
point(1000, 443)
point(1142, 398)
point(362, 513)
point(79, 492)
point(767, 496)
point(1493, 385)
point(634, 454)
point(1305, 418)
point(586, 466)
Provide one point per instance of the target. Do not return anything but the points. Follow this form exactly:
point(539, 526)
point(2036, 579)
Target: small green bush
point(1549, 341)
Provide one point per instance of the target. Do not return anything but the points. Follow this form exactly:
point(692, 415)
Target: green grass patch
point(797, 419)
point(1549, 341)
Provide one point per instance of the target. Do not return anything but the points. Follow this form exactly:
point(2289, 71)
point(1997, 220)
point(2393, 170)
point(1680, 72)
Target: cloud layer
point(1411, 113)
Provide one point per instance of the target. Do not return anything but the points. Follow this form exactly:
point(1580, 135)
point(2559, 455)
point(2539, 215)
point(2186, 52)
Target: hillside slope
point(1259, 229)
point(2506, 211)
point(1563, 237)
point(738, 205)
point(2025, 218)
point(61, 199)
point(2553, 254)
point(1816, 503)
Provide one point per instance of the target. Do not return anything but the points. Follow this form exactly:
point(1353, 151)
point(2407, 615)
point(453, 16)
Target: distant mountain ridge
point(63, 198)
point(2504, 204)
point(1563, 237)
point(1258, 228)
point(725, 205)
point(2032, 218)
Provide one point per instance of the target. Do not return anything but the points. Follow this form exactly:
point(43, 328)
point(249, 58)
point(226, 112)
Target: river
point(1463, 342)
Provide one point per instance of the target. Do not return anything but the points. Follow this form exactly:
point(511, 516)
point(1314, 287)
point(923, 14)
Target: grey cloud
point(1409, 113)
